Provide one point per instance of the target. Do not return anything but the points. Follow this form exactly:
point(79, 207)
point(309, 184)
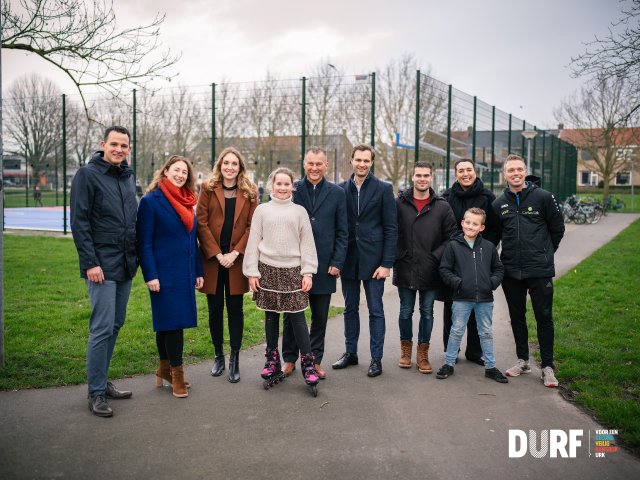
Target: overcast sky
point(513, 54)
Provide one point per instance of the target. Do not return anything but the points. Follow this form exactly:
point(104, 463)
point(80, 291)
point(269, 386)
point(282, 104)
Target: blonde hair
point(281, 170)
point(246, 186)
point(159, 175)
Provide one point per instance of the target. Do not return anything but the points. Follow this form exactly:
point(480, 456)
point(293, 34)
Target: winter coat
point(531, 230)
point(475, 196)
point(373, 228)
point(210, 213)
point(169, 253)
point(328, 217)
point(422, 237)
point(103, 218)
point(472, 274)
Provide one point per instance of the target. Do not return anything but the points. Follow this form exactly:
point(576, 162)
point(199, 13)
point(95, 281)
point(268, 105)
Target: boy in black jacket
point(471, 268)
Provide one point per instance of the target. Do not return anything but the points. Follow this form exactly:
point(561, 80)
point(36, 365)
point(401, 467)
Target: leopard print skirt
point(280, 290)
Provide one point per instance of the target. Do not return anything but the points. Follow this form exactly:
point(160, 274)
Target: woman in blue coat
point(171, 266)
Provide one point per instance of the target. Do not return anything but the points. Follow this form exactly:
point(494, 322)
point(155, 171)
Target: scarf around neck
point(182, 200)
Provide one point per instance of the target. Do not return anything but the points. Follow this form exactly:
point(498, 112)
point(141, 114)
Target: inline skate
point(272, 371)
point(307, 364)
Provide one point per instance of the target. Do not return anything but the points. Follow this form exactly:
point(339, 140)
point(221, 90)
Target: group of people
point(290, 251)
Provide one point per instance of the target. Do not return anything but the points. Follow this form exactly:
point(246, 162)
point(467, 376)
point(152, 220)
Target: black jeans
point(541, 293)
point(235, 314)
point(319, 312)
point(170, 345)
point(474, 350)
point(298, 324)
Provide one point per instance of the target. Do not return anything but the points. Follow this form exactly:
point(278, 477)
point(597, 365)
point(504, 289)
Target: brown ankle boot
point(422, 358)
point(163, 373)
point(405, 353)
point(177, 382)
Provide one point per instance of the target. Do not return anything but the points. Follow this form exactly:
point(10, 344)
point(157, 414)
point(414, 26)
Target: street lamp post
point(529, 135)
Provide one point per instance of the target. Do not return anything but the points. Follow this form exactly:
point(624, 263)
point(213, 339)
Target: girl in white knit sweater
point(279, 261)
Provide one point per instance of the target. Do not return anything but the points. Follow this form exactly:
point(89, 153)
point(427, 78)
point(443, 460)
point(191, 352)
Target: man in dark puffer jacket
point(467, 192)
point(532, 227)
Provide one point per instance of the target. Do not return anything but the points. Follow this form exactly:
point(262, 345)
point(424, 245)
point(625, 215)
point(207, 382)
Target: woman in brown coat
point(225, 208)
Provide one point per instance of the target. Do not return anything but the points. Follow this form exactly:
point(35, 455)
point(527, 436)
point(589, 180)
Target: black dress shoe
point(477, 361)
point(375, 367)
point(99, 406)
point(113, 392)
point(345, 360)
point(218, 366)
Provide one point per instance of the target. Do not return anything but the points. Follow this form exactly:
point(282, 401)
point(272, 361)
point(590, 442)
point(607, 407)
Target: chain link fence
point(407, 116)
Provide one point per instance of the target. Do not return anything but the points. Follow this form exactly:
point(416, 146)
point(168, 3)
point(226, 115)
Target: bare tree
point(596, 112)
point(617, 54)
point(33, 117)
point(322, 97)
point(84, 41)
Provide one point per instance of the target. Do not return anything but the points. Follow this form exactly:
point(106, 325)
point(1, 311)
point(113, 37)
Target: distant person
point(425, 224)
point(139, 191)
point(280, 261)
point(260, 193)
point(103, 223)
point(471, 268)
point(466, 192)
point(37, 195)
point(168, 254)
point(371, 251)
point(325, 204)
point(532, 227)
point(225, 209)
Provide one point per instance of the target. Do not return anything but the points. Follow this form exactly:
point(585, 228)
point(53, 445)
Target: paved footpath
point(401, 425)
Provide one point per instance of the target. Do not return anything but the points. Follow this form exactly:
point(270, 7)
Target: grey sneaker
point(99, 406)
point(521, 366)
point(548, 377)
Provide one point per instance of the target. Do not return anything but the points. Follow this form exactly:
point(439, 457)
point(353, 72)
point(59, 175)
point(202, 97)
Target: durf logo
point(552, 443)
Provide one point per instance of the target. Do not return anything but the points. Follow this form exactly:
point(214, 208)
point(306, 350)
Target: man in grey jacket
point(103, 223)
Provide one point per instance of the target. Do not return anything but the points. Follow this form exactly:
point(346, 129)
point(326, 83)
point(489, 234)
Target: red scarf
point(182, 200)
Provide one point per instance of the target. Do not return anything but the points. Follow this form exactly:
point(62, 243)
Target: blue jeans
point(405, 320)
point(108, 309)
point(373, 290)
point(460, 316)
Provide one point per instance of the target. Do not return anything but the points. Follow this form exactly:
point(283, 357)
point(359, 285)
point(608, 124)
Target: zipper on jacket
point(475, 268)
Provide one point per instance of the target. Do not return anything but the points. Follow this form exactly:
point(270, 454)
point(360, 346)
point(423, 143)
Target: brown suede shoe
point(288, 369)
point(321, 373)
point(405, 353)
point(422, 358)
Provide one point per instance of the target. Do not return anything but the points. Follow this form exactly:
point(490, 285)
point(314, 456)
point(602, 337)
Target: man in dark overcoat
point(327, 209)
point(373, 233)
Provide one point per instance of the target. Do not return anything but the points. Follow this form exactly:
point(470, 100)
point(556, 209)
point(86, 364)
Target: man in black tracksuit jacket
point(531, 227)
point(467, 192)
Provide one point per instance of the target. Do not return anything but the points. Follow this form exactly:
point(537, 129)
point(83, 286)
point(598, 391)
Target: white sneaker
point(548, 377)
point(521, 366)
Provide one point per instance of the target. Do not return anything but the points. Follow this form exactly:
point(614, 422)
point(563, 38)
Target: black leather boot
point(218, 365)
point(234, 367)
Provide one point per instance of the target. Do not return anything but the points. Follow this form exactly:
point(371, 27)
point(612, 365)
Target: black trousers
point(474, 350)
point(170, 346)
point(541, 292)
point(235, 314)
point(298, 325)
point(319, 305)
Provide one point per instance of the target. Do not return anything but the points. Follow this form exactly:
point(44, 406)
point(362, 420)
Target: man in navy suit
point(373, 234)
point(327, 209)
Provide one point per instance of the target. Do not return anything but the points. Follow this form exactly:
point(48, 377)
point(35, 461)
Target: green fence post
point(417, 135)
point(524, 127)
point(509, 140)
point(64, 164)
point(473, 135)
point(304, 125)
point(134, 139)
point(213, 124)
point(533, 154)
point(544, 146)
point(493, 145)
point(448, 136)
point(373, 114)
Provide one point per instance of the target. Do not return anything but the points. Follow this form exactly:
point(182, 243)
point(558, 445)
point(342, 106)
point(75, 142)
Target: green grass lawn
point(597, 334)
point(47, 314)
